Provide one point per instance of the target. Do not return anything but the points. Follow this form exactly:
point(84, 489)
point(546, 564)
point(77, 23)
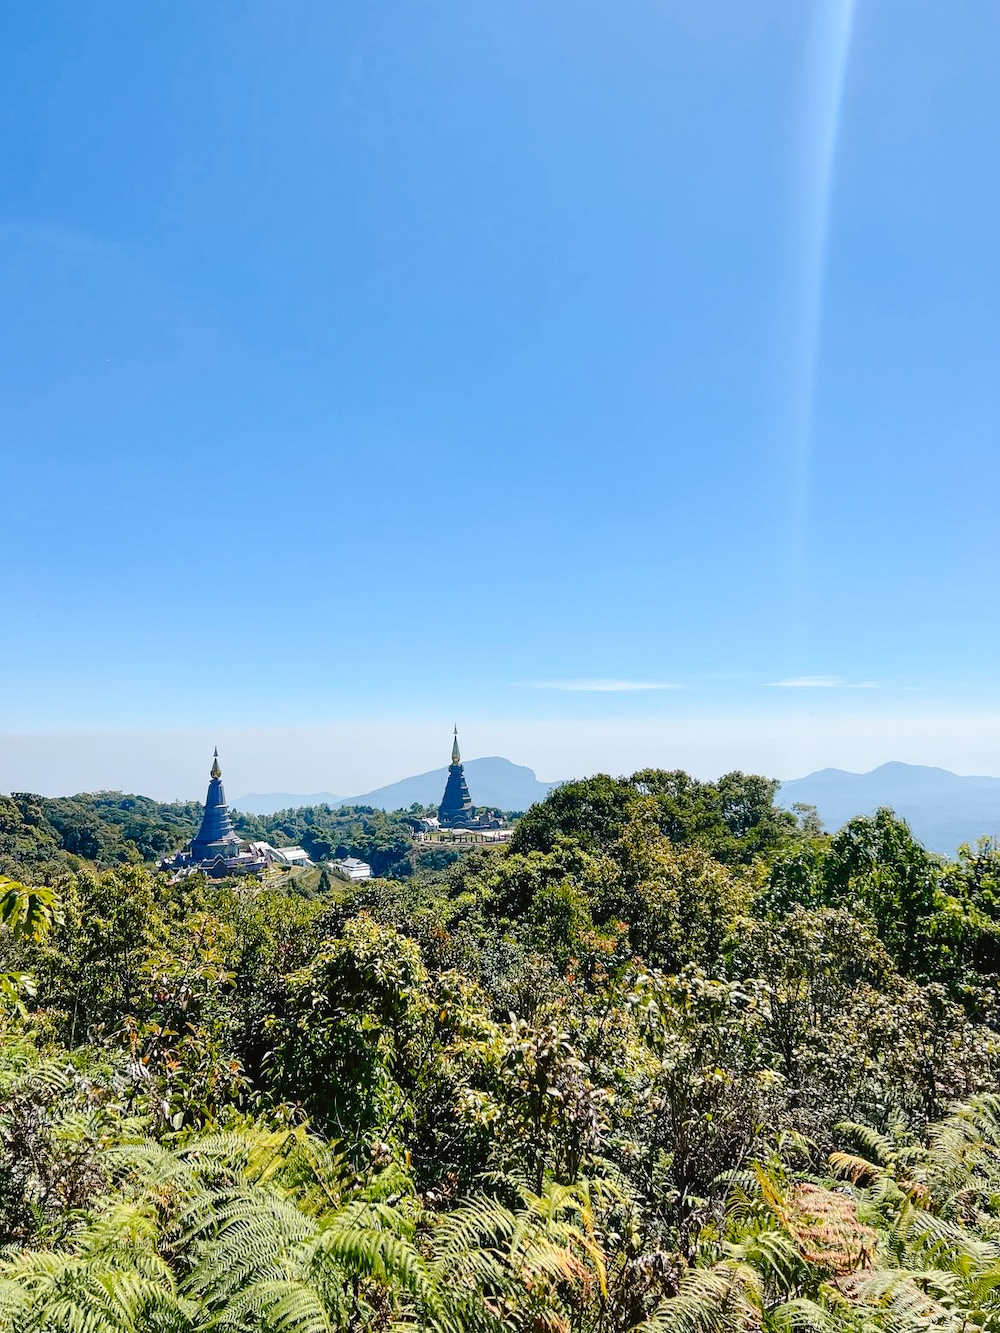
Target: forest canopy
point(50, 834)
point(673, 1059)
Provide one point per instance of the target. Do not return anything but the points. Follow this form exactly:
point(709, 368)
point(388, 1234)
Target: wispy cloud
point(608, 686)
point(822, 683)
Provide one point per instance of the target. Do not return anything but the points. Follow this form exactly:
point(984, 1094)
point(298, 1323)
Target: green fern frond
point(283, 1306)
point(772, 1254)
point(725, 1298)
point(879, 1146)
point(800, 1313)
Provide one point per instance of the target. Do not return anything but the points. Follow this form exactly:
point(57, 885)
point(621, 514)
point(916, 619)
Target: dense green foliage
point(40, 834)
point(383, 840)
point(46, 835)
point(734, 818)
point(673, 1060)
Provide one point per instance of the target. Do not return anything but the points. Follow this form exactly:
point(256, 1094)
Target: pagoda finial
point(456, 754)
point(216, 770)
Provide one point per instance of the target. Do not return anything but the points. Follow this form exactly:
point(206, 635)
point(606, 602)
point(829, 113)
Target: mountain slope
point(492, 781)
point(269, 802)
point(943, 809)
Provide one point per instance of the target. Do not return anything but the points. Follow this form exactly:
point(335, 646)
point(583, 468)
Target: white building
point(353, 868)
point(292, 856)
point(281, 856)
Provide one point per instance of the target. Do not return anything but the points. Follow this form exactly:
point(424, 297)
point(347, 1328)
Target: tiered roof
point(216, 837)
point(455, 810)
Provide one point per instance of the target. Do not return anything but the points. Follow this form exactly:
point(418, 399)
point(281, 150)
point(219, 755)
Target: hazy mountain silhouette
point(268, 802)
point(943, 809)
point(493, 781)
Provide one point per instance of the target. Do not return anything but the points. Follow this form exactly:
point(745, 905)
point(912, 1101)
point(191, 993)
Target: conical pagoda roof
point(455, 810)
point(216, 837)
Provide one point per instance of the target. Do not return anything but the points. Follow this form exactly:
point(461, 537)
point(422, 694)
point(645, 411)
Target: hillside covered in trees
point(48, 835)
point(672, 1059)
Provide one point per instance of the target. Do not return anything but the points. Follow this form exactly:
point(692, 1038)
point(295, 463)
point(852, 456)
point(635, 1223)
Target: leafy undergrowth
point(673, 1060)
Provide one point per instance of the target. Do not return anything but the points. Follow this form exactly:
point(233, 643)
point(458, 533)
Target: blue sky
point(391, 364)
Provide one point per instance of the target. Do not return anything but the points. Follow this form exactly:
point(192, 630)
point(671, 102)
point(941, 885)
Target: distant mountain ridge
point(269, 802)
point(493, 781)
point(943, 809)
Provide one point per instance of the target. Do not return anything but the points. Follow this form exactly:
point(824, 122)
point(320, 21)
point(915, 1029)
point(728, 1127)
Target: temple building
point(216, 837)
point(217, 848)
point(456, 810)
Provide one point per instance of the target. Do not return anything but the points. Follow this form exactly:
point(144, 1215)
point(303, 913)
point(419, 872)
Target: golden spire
point(456, 754)
point(216, 770)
